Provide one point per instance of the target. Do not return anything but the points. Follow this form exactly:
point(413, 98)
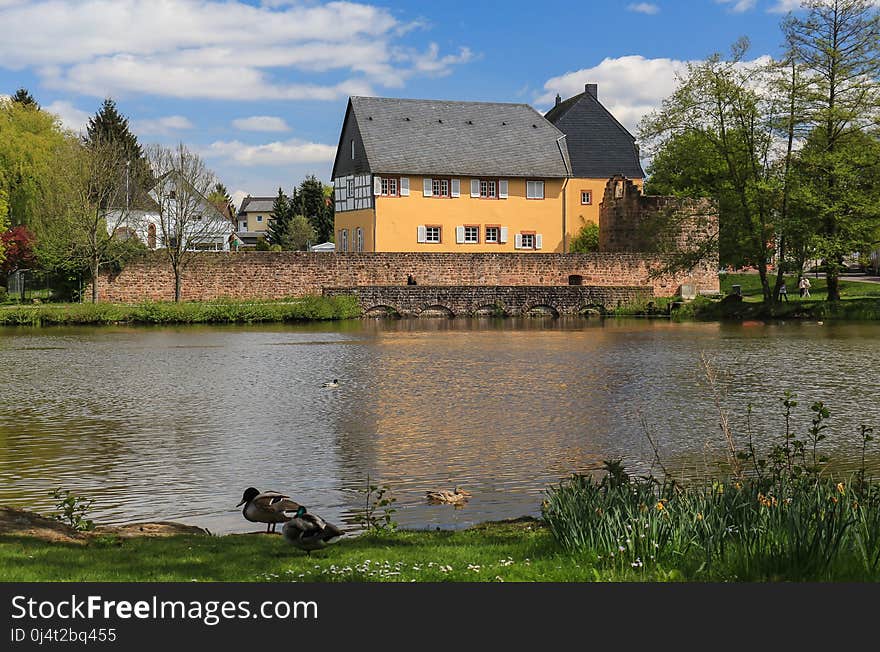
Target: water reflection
point(173, 423)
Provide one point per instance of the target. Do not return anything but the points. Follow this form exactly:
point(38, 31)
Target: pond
point(173, 423)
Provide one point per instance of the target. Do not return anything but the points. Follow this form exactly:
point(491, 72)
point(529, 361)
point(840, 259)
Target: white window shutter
point(404, 186)
point(503, 236)
point(538, 240)
point(475, 187)
point(377, 186)
point(459, 235)
point(517, 242)
point(427, 187)
point(421, 234)
point(502, 189)
point(456, 187)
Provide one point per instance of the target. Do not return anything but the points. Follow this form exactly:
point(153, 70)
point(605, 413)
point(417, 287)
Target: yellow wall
point(577, 215)
point(351, 220)
point(252, 224)
point(397, 218)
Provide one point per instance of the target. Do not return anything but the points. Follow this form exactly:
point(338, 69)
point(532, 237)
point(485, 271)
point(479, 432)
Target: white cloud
point(260, 123)
point(71, 117)
point(644, 8)
point(212, 49)
point(237, 198)
point(630, 87)
point(164, 125)
point(276, 153)
point(739, 6)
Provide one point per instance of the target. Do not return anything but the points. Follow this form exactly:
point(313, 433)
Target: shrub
point(586, 241)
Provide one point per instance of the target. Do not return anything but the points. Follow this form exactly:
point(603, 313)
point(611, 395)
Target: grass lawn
point(522, 551)
point(518, 551)
point(751, 288)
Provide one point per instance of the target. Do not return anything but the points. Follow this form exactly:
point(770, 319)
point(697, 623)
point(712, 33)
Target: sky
point(259, 88)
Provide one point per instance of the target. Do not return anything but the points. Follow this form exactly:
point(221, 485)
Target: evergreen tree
point(110, 126)
point(219, 196)
point(279, 222)
point(314, 206)
point(22, 96)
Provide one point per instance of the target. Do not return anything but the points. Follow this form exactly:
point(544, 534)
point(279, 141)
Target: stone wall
point(630, 221)
point(455, 301)
point(271, 275)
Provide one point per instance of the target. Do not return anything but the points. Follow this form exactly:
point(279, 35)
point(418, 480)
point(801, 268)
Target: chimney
point(592, 90)
point(558, 99)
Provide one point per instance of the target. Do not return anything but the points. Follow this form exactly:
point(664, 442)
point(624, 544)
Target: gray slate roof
point(599, 146)
point(256, 205)
point(438, 137)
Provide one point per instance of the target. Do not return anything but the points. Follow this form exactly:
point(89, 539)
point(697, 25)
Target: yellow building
point(253, 218)
point(599, 147)
point(439, 176)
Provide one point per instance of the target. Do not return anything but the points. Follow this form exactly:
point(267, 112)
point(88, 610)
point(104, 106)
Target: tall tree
point(87, 201)
point(299, 234)
point(187, 220)
point(219, 196)
point(279, 221)
point(717, 103)
point(108, 125)
point(23, 96)
point(29, 142)
point(838, 44)
point(313, 206)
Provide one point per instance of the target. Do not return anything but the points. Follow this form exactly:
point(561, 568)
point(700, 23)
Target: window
point(586, 197)
point(389, 187)
point(488, 189)
point(534, 190)
point(492, 233)
point(432, 234)
point(243, 226)
point(528, 241)
point(259, 218)
point(471, 234)
point(352, 149)
point(440, 187)
point(343, 239)
point(360, 239)
point(351, 188)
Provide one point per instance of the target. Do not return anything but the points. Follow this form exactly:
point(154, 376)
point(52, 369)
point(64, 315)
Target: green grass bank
point(312, 308)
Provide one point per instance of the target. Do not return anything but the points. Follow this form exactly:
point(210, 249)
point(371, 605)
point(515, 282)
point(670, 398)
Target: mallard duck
point(455, 497)
point(309, 531)
point(331, 384)
point(267, 507)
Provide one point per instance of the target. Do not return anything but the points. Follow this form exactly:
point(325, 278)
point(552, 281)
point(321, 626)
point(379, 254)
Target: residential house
point(206, 228)
point(427, 175)
point(253, 218)
point(433, 175)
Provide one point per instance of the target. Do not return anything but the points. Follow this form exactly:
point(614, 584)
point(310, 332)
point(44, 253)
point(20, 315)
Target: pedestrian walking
point(783, 292)
point(806, 288)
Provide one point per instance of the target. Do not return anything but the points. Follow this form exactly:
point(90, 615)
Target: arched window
point(360, 239)
point(151, 236)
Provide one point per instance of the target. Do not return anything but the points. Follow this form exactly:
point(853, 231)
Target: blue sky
point(259, 88)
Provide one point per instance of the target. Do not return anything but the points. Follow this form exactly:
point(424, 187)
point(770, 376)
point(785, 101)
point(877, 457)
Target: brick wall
point(630, 221)
point(465, 300)
point(270, 275)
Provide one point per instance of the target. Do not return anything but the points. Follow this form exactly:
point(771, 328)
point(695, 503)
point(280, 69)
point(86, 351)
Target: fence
point(28, 285)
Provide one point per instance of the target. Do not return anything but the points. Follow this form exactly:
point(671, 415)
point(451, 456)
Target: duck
point(331, 384)
point(455, 497)
point(267, 507)
point(309, 531)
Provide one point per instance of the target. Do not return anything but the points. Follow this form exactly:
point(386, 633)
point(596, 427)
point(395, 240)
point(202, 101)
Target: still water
point(173, 423)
